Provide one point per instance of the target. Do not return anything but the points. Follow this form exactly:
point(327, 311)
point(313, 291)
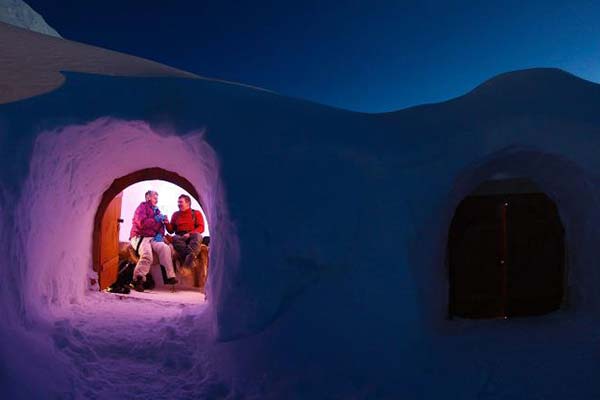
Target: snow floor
point(137, 348)
point(164, 294)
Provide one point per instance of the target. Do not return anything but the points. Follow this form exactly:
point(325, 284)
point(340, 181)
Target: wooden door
point(474, 256)
point(536, 254)
point(109, 243)
point(506, 256)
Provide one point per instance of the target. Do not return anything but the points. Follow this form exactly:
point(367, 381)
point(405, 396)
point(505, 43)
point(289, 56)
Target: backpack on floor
point(125, 278)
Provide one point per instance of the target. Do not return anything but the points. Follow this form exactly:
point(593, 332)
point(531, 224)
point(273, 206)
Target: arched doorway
point(506, 252)
point(105, 241)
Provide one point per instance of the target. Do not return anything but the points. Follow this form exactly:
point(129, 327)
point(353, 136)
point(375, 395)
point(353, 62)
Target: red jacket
point(183, 222)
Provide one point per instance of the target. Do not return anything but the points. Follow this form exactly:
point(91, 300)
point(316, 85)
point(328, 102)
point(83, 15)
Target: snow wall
point(70, 170)
point(329, 227)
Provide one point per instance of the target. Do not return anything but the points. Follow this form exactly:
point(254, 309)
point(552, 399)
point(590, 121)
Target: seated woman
point(147, 233)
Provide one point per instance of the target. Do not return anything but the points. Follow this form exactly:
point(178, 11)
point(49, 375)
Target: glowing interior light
point(167, 203)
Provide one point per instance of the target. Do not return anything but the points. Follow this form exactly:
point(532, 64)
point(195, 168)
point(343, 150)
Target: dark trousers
point(187, 246)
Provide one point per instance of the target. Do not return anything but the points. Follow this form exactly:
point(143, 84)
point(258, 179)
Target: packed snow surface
point(135, 349)
point(181, 295)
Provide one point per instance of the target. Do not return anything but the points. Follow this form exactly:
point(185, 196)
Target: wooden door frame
point(121, 184)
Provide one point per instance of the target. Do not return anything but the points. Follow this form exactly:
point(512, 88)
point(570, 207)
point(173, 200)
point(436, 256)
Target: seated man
point(146, 235)
point(188, 226)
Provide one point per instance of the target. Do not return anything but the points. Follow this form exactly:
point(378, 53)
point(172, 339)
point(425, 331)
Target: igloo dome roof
point(537, 82)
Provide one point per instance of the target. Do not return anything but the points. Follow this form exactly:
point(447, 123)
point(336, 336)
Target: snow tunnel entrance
point(506, 252)
point(112, 249)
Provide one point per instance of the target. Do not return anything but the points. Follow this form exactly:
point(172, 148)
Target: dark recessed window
point(506, 252)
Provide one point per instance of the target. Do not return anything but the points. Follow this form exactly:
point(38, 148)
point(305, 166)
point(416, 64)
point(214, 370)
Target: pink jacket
point(144, 223)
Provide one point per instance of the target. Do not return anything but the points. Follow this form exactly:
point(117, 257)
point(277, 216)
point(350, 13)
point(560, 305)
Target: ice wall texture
point(18, 13)
point(339, 279)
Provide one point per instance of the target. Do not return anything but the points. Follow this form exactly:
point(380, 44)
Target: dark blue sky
point(361, 55)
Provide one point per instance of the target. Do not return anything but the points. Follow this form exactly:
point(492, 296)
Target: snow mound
point(21, 78)
point(328, 275)
point(18, 13)
point(533, 83)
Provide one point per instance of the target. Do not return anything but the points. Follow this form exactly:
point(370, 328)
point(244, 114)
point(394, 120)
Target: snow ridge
point(18, 13)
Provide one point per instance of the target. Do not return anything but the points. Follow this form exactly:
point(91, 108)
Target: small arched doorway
point(105, 241)
point(506, 252)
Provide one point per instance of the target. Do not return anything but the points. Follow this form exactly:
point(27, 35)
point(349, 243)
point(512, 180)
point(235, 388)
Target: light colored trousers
point(145, 262)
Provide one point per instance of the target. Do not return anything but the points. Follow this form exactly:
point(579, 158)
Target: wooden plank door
point(536, 250)
point(475, 249)
point(109, 243)
point(506, 255)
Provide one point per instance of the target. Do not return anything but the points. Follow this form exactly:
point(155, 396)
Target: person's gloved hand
point(159, 237)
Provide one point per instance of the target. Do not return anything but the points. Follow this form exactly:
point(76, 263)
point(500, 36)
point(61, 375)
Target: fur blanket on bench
point(198, 272)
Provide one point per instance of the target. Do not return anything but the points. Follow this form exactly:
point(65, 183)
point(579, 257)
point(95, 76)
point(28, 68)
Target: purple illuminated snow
point(71, 168)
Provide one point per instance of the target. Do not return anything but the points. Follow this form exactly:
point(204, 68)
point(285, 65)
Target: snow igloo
point(333, 233)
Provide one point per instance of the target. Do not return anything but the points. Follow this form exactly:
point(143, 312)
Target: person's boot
point(138, 284)
point(171, 281)
point(149, 284)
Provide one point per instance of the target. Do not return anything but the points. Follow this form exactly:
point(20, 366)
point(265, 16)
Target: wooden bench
point(199, 270)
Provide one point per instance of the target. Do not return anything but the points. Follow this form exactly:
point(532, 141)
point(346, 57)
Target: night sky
point(368, 56)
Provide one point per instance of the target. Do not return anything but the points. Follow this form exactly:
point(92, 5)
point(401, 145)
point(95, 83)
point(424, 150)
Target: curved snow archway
point(119, 185)
point(562, 180)
point(506, 252)
point(72, 168)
